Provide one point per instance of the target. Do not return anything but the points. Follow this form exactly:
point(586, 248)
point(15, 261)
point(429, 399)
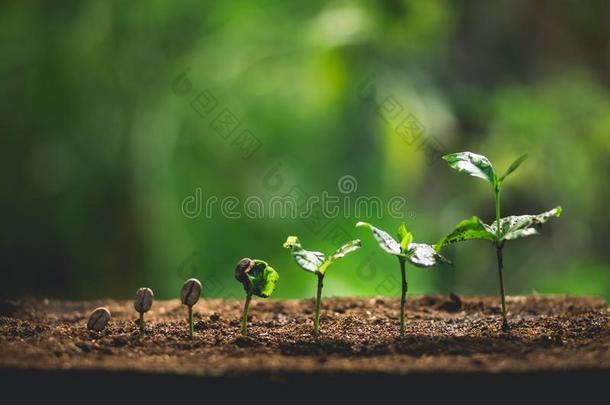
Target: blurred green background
point(104, 135)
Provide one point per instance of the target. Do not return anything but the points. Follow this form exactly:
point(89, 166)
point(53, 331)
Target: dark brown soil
point(358, 336)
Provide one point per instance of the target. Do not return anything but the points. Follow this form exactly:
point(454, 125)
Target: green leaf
point(405, 237)
point(307, 260)
point(521, 226)
point(385, 241)
point(423, 255)
point(468, 229)
point(514, 166)
point(420, 254)
point(349, 247)
point(472, 164)
point(263, 279)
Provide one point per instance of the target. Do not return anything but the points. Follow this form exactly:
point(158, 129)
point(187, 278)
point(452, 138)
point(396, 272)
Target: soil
point(359, 338)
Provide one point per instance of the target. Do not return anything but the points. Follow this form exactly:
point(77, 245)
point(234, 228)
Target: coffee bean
point(143, 300)
point(241, 272)
point(98, 319)
point(191, 291)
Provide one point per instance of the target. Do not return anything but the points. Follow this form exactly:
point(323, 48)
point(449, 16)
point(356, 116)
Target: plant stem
point(141, 324)
point(403, 297)
point(499, 246)
point(316, 319)
point(244, 320)
point(500, 268)
point(191, 329)
point(497, 195)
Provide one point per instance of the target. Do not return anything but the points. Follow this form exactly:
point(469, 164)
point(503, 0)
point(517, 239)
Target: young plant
point(418, 254)
point(142, 304)
point(258, 278)
point(189, 295)
point(502, 229)
point(317, 263)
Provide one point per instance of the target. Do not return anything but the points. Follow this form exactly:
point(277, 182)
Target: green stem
point(403, 296)
point(141, 324)
point(497, 194)
point(316, 319)
point(191, 328)
point(499, 246)
point(244, 319)
point(500, 271)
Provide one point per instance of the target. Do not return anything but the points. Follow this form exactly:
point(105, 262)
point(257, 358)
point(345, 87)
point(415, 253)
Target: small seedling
point(191, 291)
point(419, 254)
point(142, 304)
point(317, 263)
point(98, 319)
point(258, 278)
point(503, 229)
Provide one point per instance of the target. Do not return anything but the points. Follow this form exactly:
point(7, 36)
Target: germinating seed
point(143, 300)
point(98, 319)
point(191, 291)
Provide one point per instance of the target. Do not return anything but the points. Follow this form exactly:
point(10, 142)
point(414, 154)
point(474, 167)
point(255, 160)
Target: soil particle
point(456, 334)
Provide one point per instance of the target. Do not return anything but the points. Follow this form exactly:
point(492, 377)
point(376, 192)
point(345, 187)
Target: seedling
point(191, 291)
point(419, 254)
point(258, 278)
point(503, 229)
point(142, 304)
point(98, 319)
point(317, 263)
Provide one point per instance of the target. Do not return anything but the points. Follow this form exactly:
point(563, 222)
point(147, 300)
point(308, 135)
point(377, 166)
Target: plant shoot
point(317, 263)
point(257, 278)
point(502, 229)
point(418, 254)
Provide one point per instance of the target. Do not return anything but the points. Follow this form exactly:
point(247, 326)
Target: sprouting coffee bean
point(98, 319)
point(242, 269)
point(143, 300)
point(191, 291)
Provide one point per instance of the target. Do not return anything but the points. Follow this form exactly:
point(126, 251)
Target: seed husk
point(191, 291)
point(241, 272)
point(98, 319)
point(143, 300)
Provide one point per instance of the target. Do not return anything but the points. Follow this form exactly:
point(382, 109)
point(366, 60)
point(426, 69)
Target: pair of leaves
point(510, 228)
point(479, 166)
point(419, 254)
point(405, 237)
point(317, 262)
point(257, 277)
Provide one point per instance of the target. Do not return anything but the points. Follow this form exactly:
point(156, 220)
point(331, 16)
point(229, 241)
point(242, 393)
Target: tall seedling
point(502, 229)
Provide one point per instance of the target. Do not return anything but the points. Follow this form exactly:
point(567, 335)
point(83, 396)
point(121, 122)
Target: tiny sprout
point(317, 263)
point(502, 229)
point(98, 319)
point(419, 254)
point(191, 291)
point(258, 278)
point(142, 304)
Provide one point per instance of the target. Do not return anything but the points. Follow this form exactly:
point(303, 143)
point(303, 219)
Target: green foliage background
point(99, 148)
